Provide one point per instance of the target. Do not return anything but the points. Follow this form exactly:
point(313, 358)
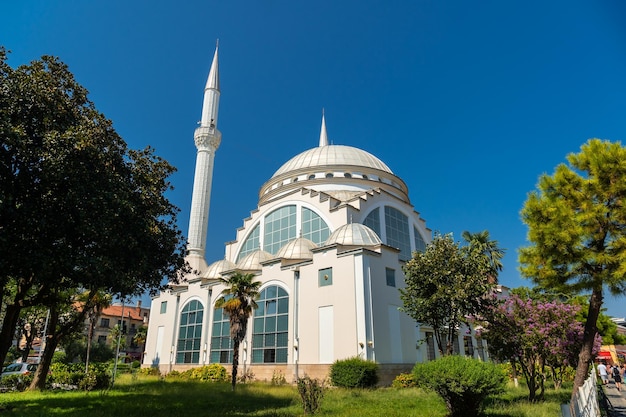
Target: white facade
point(327, 240)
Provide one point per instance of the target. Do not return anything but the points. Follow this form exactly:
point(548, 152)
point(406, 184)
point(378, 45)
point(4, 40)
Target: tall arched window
point(373, 221)
point(420, 245)
point(221, 343)
point(280, 228)
point(251, 244)
point(397, 229)
point(190, 333)
point(314, 227)
point(271, 326)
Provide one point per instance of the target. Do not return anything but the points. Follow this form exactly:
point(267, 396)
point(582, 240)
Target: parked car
point(19, 369)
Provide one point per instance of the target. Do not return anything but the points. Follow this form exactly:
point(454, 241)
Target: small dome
point(216, 268)
point(252, 261)
point(354, 234)
point(300, 248)
point(331, 155)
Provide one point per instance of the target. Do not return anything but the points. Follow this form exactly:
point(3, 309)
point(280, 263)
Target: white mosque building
point(328, 239)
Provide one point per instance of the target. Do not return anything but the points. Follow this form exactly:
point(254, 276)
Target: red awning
point(604, 355)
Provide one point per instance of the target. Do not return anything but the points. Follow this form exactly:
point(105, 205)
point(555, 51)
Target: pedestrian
point(617, 377)
point(603, 372)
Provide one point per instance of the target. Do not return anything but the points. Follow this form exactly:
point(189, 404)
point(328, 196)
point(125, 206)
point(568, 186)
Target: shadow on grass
point(157, 399)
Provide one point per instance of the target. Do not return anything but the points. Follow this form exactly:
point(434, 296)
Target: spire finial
point(323, 134)
point(214, 74)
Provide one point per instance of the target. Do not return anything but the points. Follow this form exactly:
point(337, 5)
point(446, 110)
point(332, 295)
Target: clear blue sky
point(468, 102)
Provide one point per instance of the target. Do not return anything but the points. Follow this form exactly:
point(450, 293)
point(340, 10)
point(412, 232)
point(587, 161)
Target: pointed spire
point(214, 75)
point(323, 135)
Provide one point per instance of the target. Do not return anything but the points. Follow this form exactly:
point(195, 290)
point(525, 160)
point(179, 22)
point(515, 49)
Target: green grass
point(149, 396)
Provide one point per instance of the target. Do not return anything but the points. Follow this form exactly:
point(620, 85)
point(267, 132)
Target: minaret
point(207, 139)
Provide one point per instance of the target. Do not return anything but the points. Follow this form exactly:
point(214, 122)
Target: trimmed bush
point(16, 382)
point(213, 372)
point(354, 373)
point(462, 382)
point(404, 381)
point(154, 371)
point(311, 392)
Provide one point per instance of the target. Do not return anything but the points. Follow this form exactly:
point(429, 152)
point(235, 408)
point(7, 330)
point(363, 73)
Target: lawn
point(149, 396)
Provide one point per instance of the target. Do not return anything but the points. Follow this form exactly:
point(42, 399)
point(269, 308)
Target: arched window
point(420, 245)
point(221, 344)
point(373, 221)
point(397, 229)
point(270, 329)
point(314, 227)
point(280, 228)
point(190, 333)
point(251, 244)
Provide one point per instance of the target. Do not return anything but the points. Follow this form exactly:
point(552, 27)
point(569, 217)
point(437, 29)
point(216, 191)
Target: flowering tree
point(542, 336)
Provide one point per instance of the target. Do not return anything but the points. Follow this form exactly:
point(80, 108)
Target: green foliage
point(63, 375)
point(462, 382)
point(404, 381)
point(354, 373)
point(311, 392)
point(16, 382)
point(153, 370)
point(278, 378)
point(445, 285)
point(213, 373)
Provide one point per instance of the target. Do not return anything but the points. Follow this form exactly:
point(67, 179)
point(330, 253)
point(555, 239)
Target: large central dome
point(332, 155)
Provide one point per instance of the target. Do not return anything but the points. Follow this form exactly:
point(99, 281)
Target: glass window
point(189, 332)
point(163, 307)
point(270, 329)
point(314, 227)
point(325, 277)
point(397, 228)
point(391, 277)
point(221, 343)
point(468, 346)
point(430, 346)
point(280, 228)
point(373, 221)
point(251, 244)
point(105, 322)
point(420, 245)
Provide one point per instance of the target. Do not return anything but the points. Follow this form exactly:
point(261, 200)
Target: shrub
point(278, 378)
point(154, 371)
point(135, 364)
point(311, 392)
point(404, 381)
point(354, 373)
point(213, 372)
point(245, 377)
point(462, 382)
point(16, 382)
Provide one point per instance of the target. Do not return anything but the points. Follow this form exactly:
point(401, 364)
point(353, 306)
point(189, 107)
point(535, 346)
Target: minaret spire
point(323, 134)
point(207, 139)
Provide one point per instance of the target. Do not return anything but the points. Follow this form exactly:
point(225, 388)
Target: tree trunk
point(233, 381)
point(39, 380)
point(92, 324)
point(9, 324)
point(589, 336)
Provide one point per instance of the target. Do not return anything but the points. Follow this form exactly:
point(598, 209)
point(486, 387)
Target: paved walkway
point(617, 399)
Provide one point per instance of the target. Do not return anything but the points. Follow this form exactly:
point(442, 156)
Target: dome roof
point(300, 248)
point(332, 155)
point(252, 261)
point(214, 270)
point(354, 234)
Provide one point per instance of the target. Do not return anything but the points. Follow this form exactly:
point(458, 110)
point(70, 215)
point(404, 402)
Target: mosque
point(328, 239)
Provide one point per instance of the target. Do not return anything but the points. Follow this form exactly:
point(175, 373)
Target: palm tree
point(98, 302)
point(487, 247)
point(237, 300)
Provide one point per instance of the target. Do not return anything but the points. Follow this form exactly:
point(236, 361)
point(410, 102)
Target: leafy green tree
point(101, 301)
point(117, 336)
point(577, 229)
point(489, 248)
point(238, 300)
point(445, 286)
point(84, 211)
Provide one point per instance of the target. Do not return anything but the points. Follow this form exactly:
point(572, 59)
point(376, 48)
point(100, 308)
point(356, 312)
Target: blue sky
point(468, 102)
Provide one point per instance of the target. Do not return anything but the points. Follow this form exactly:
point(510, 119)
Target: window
point(373, 221)
point(105, 322)
point(270, 328)
point(280, 228)
point(468, 346)
point(163, 307)
point(314, 227)
point(190, 333)
point(397, 228)
point(430, 346)
point(221, 344)
point(102, 339)
point(391, 277)
point(251, 244)
point(325, 277)
point(420, 245)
